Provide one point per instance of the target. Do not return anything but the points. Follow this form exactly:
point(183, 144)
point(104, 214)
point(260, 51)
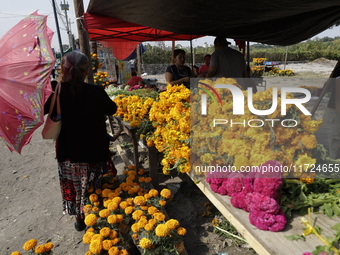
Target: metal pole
point(284, 67)
point(58, 31)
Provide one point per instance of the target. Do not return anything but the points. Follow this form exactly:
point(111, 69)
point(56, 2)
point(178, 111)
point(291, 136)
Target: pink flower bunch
point(256, 193)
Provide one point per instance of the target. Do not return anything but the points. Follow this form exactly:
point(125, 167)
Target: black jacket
point(83, 135)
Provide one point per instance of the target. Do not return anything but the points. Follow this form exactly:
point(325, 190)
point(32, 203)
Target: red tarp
point(123, 36)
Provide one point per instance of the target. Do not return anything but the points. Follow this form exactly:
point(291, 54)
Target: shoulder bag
point(52, 125)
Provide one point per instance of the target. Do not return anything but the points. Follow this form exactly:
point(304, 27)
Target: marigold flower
point(90, 220)
point(48, 246)
point(114, 251)
point(90, 230)
point(148, 227)
point(115, 240)
point(147, 196)
point(105, 231)
point(104, 213)
point(134, 236)
point(142, 222)
point(141, 171)
point(112, 219)
point(139, 200)
point(97, 237)
point(123, 205)
point(152, 221)
point(106, 192)
point(159, 216)
point(135, 227)
point(148, 179)
point(123, 252)
point(141, 179)
point(88, 253)
point(39, 249)
point(113, 234)
point(97, 203)
point(131, 167)
point(107, 244)
point(172, 223)
point(129, 210)
point(15, 253)
point(95, 209)
point(166, 193)
point(96, 246)
point(88, 237)
point(30, 244)
point(152, 210)
point(129, 201)
point(145, 243)
point(162, 202)
point(153, 192)
point(137, 214)
point(162, 230)
point(112, 206)
point(98, 191)
point(119, 218)
point(181, 231)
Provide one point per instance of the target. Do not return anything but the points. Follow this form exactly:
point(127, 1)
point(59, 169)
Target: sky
point(12, 11)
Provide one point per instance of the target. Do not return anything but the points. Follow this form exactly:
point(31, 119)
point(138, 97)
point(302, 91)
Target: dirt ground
point(31, 201)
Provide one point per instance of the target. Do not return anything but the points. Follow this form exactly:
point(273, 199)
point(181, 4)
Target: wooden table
point(152, 151)
point(266, 242)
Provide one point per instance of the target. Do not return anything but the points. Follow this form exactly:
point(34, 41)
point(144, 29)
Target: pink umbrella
point(26, 61)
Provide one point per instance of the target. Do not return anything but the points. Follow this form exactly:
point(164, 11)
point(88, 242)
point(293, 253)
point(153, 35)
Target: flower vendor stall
point(267, 210)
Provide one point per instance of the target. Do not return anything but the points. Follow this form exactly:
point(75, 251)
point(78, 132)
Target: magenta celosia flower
point(214, 187)
point(307, 253)
point(238, 200)
point(233, 184)
point(217, 181)
point(259, 202)
point(268, 186)
point(267, 221)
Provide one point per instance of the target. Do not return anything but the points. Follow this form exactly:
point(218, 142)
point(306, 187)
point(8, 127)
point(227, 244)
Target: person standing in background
point(204, 68)
point(331, 116)
point(178, 73)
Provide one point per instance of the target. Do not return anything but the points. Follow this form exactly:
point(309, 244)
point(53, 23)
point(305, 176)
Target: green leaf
point(336, 209)
point(295, 237)
point(327, 209)
point(319, 249)
point(336, 227)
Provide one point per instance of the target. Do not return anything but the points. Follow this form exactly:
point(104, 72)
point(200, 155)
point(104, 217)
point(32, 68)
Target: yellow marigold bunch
point(145, 243)
point(39, 249)
point(166, 193)
point(181, 231)
point(139, 200)
point(172, 223)
point(133, 109)
point(162, 230)
point(105, 231)
point(96, 246)
point(30, 244)
point(104, 213)
point(90, 220)
point(137, 214)
point(93, 197)
point(88, 237)
point(171, 118)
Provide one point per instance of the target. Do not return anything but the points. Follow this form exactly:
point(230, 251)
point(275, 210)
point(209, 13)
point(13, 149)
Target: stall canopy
point(276, 22)
point(124, 36)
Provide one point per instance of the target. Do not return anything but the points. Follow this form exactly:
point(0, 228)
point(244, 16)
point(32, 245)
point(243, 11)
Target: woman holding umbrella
point(82, 145)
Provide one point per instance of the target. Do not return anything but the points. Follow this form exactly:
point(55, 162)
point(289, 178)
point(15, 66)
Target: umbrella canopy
point(26, 61)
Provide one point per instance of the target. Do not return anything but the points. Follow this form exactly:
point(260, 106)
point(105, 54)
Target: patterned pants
point(75, 179)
